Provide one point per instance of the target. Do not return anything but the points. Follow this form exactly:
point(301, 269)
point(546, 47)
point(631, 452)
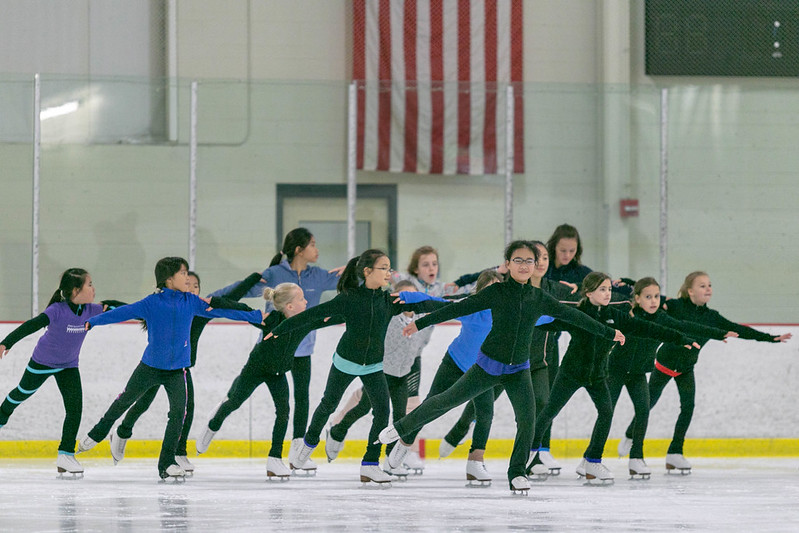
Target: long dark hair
point(71, 279)
point(166, 268)
point(353, 273)
point(565, 231)
point(298, 237)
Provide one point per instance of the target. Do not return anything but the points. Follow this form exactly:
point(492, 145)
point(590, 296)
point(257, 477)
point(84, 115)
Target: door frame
point(334, 190)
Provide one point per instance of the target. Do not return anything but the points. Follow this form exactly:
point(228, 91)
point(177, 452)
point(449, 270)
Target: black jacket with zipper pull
point(679, 359)
point(586, 359)
point(637, 355)
point(515, 307)
point(366, 312)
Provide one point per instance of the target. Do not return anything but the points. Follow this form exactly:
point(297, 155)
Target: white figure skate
point(117, 447)
point(300, 460)
point(597, 473)
point(413, 463)
point(388, 435)
point(625, 445)
point(172, 474)
point(68, 467)
point(400, 472)
point(519, 486)
point(638, 469)
point(398, 454)
point(332, 447)
point(677, 461)
point(477, 475)
point(276, 469)
point(205, 440)
point(373, 476)
point(548, 461)
point(184, 463)
point(86, 444)
point(581, 468)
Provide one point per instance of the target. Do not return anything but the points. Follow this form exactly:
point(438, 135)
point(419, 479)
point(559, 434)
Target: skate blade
point(370, 484)
point(298, 472)
point(519, 492)
point(596, 482)
point(673, 470)
point(189, 473)
point(398, 477)
point(271, 477)
point(538, 478)
point(554, 471)
point(478, 484)
point(639, 477)
point(415, 471)
point(173, 480)
point(69, 476)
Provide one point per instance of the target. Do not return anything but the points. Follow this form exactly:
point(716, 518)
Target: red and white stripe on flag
point(432, 78)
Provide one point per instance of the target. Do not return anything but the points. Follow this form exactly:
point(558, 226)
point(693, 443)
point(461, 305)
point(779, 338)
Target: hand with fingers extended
point(410, 329)
point(619, 337)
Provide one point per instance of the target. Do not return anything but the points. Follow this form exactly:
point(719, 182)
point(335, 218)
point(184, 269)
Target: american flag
point(431, 79)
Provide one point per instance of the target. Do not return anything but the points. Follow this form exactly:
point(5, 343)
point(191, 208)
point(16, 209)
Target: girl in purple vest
point(56, 354)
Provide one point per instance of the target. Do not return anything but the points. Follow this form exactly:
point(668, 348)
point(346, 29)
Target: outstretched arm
point(23, 330)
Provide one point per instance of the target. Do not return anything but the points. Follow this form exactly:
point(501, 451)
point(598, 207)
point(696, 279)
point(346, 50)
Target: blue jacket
point(474, 329)
point(169, 315)
point(313, 281)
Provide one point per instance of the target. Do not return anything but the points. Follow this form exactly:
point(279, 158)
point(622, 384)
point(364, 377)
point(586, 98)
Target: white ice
point(233, 494)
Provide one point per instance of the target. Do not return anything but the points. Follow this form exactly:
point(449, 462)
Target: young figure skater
point(124, 431)
point(504, 357)
point(56, 354)
point(268, 363)
point(400, 354)
point(585, 365)
point(366, 310)
point(292, 264)
point(674, 362)
point(460, 356)
point(168, 313)
point(629, 364)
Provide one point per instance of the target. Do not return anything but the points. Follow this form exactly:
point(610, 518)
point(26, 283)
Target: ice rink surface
point(233, 495)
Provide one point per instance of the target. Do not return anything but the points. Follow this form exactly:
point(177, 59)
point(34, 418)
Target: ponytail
point(296, 238)
point(276, 259)
point(71, 279)
point(353, 272)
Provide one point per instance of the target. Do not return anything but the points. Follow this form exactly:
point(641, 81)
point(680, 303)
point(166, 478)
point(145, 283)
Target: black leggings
point(562, 391)
point(242, 388)
point(414, 377)
point(301, 378)
point(639, 394)
point(125, 429)
point(686, 388)
point(479, 409)
point(68, 381)
point(143, 379)
point(474, 382)
point(374, 385)
point(397, 391)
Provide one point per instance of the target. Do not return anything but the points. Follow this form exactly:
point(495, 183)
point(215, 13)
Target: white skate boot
point(519, 486)
point(413, 463)
point(86, 444)
point(300, 458)
point(401, 472)
point(398, 455)
point(173, 473)
point(597, 473)
point(68, 467)
point(625, 445)
point(372, 476)
point(548, 461)
point(638, 469)
point(184, 463)
point(477, 475)
point(677, 461)
point(276, 469)
point(117, 447)
point(205, 440)
point(388, 435)
point(332, 447)
point(581, 468)
point(536, 471)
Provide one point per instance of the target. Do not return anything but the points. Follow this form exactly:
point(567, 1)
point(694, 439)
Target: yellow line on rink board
point(497, 448)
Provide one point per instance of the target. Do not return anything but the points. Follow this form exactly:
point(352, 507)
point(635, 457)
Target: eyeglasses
point(387, 269)
point(520, 261)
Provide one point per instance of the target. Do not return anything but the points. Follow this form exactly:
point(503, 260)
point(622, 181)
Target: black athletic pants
point(686, 388)
point(374, 385)
point(242, 388)
point(398, 393)
point(639, 394)
point(474, 382)
point(301, 378)
point(143, 379)
point(562, 391)
point(68, 381)
point(125, 429)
